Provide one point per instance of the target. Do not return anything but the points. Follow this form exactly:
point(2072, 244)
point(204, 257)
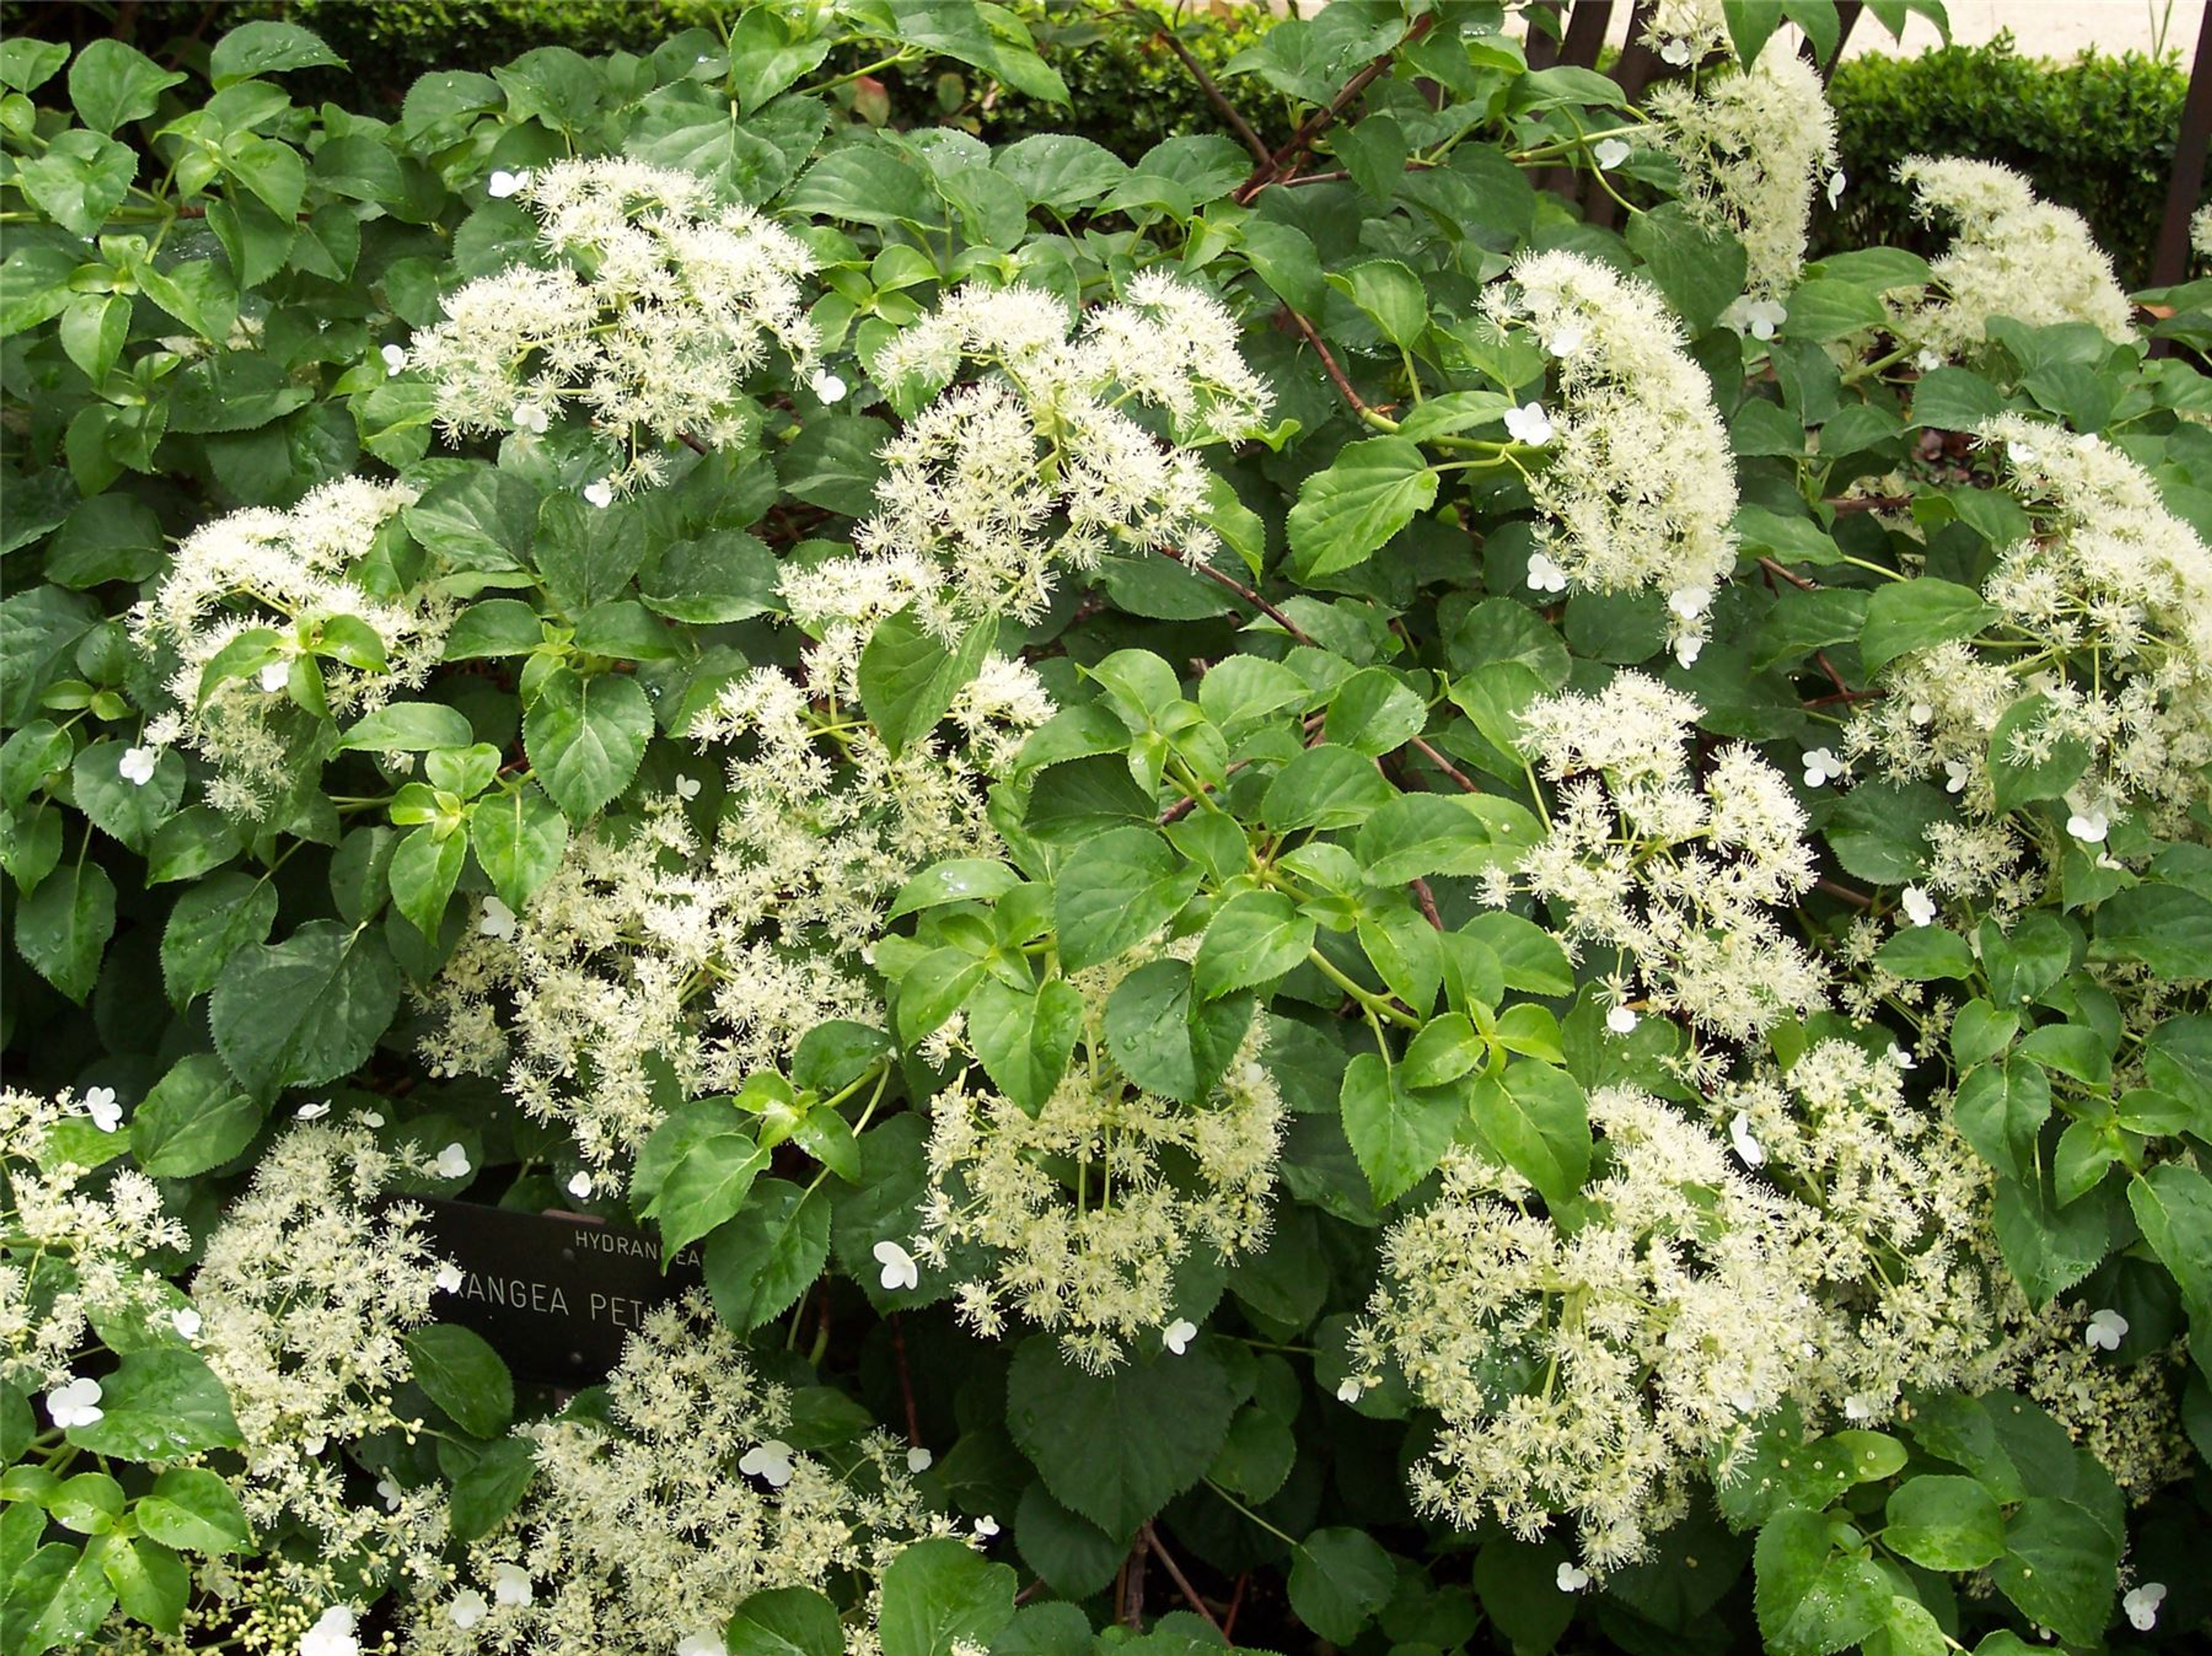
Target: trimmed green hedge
point(2096, 135)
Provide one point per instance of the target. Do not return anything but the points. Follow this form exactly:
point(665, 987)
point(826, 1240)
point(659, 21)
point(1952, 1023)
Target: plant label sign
point(555, 1294)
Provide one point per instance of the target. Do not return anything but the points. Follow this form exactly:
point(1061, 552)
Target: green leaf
point(1700, 269)
point(1114, 890)
point(423, 871)
point(1023, 1037)
point(1348, 511)
point(2167, 927)
point(585, 736)
point(1537, 1120)
point(268, 48)
point(1325, 787)
point(194, 1118)
point(1391, 296)
point(212, 921)
point(484, 519)
point(725, 575)
point(2015, 783)
point(759, 1262)
point(786, 1622)
point(1825, 309)
point(194, 1510)
point(305, 1011)
point(490, 1487)
point(1414, 835)
point(707, 1188)
point(111, 84)
point(2173, 1203)
point(518, 837)
point(1944, 1522)
point(1917, 614)
point(81, 179)
point(865, 183)
point(1339, 1579)
point(1117, 1447)
point(151, 1583)
point(165, 1404)
point(58, 1598)
point(908, 679)
point(2001, 1110)
point(2060, 1568)
point(61, 928)
point(585, 556)
point(1397, 1135)
point(957, 879)
point(1058, 170)
point(494, 627)
point(1253, 938)
point(460, 1373)
point(410, 727)
point(1165, 1040)
point(941, 1592)
point(1809, 1600)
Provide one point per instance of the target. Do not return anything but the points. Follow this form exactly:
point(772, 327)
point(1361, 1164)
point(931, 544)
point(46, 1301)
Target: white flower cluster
point(1639, 489)
point(2107, 616)
point(307, 1289)
point(1088, 1208)
point(643, 1531)
point(659, 303)
point(73, 1241)
point(2013, 256)
point(1890, 1222)
point(1754, 145)
point(716, 950)
point(1590, 1372)
point(293, 572)
point(1678, 875)
point(1040, 464)
point(2200, 231)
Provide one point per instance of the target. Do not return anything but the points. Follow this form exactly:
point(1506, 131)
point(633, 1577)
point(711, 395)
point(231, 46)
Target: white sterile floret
point(1919, 907)
point(580, 1186)
point(332, 1635)
point(1621, 1019)
point(1638, 489)
point(395, 360)
point(657, 304)
point(2142, 1603)
point(2101, 647)
point(899, 1270)
point(314, 1112)
point(649, 1521)
point(138, 765)
point(1822, 766)
point(186, 1323)
point(1039, 464)
point(1752, 145)
point(452, 1163)
point(2105, 1329)
point(1673, 876)
point(1545, 575)
point(286, 572)
point(1609, 153)
point(74, 1403)
point(1178, 1335)
point(2012, 255)
point(1570, 1578)
point(102, 1105)
point(1529, 424)
point(1084, 1211)
point(919, 1459)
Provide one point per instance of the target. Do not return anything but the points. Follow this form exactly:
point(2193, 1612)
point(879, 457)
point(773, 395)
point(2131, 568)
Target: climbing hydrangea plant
point(1359, 884)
